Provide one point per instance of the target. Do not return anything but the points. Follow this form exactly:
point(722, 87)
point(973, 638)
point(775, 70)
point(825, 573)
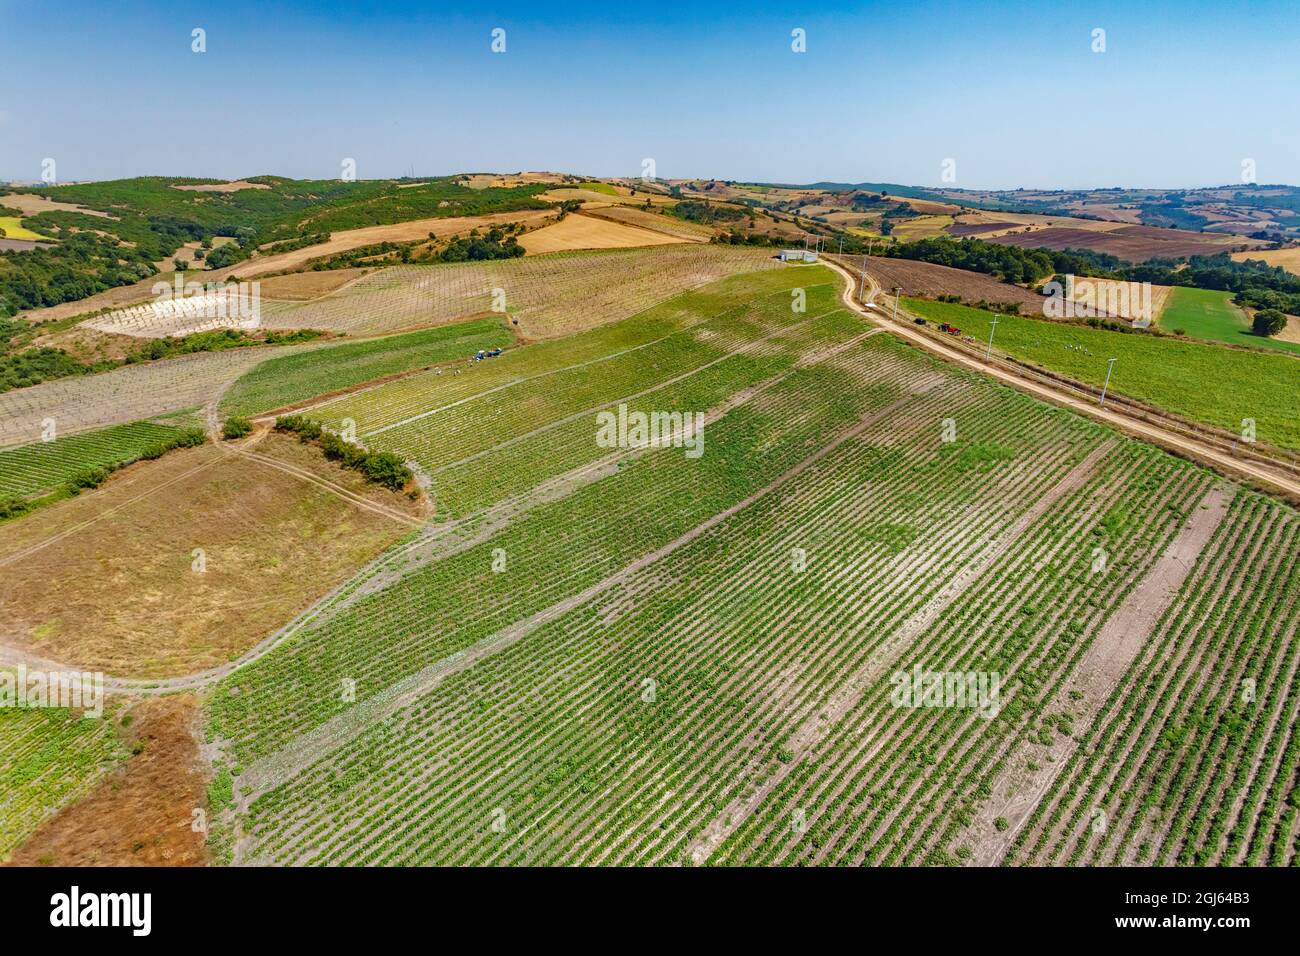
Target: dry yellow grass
point(272, 543)
point(31, 205)
point(504, 180)
point(623, 196)
point(231, 187)
point(588, 232)
point(303, 286)
point(655, 222)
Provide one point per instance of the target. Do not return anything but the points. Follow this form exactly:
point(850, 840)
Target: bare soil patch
point(142, 813)
point(1135, 243)
point(89, 345)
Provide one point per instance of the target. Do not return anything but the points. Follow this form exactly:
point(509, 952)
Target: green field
point(1207, 314)
point(41, 466)
point(1200, 381)
point(598, 187)
point(289, 379)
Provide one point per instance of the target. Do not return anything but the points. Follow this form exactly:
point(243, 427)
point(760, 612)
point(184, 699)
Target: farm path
point(1100, 670)
point(842, 702)
point(1200, 451)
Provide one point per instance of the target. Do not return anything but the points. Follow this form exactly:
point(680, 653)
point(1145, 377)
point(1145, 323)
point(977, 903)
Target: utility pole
point(1110, 364)
point(862, 279)
point(897, 290)
point(989, 350)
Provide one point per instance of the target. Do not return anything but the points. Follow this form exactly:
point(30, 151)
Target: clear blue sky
point(885, 92)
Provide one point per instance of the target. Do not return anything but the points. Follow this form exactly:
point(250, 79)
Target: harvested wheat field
point(215, 550)
point(587, 232)
point(655, 222)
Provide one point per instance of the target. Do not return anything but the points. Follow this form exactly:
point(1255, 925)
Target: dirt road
point(1275, 480)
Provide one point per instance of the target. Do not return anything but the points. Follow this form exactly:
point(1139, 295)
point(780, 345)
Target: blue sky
point(885, 92)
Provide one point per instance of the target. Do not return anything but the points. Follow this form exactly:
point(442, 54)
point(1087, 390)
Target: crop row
point(555, 730)
point(40, 466)
point(549, 295)
point(1193, 758)
point(48, 757)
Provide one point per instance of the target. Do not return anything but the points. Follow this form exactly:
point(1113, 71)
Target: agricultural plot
point(549, 296)
point(931, 280)
point(563, 545)
point(420, 395)
point(516, 434)
point(289, 379)
point(41, 466)
point(1203, 382)
point(903, 785)
point(48, 758)
point(588, 232)
point(669, 225)
point(127, 394)
point(735, 645)
point(1193, 758)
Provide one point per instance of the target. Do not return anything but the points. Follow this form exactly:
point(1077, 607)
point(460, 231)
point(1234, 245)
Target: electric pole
point(1110, 364)
point(989, 350)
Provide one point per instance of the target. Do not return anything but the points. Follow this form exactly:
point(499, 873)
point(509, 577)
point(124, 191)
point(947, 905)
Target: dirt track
point(1273, 479)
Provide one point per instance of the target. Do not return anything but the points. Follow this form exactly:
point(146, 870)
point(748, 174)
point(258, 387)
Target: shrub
point(88, 478)
point(1268, 322)
point(382, 468)
point(13, 508)
point(387, 469)
point(235, 427)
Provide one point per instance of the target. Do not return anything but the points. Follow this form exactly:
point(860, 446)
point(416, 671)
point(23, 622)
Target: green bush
point(387, 469)
point(1268, 322)
point(235, 427)
point(382, 468)
point(87, 478)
